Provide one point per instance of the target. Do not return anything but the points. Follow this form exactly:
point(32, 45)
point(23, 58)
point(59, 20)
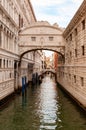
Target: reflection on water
point(48, 104)
point(43, 107)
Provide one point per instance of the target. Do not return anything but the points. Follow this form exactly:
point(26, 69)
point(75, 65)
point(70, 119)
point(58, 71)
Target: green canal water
point(43, 107)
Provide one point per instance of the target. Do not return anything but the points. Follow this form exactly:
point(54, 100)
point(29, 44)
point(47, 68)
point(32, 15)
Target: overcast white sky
point(55, 11)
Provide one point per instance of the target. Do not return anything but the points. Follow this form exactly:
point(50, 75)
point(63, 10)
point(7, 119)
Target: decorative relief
point(6, 85)
point(41, 41)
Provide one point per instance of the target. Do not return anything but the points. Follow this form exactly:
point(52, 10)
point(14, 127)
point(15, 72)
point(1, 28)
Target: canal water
point(43, 107)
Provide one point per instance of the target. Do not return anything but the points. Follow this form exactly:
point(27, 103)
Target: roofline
point(38, 26)
point(80, 12)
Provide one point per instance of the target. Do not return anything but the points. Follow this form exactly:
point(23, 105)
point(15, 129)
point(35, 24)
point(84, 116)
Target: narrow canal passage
point(43, 107)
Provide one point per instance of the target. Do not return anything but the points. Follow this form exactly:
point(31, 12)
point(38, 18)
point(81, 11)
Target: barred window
point(83, 50)
point(74, 78)
point(33, 38)
point(50, 38)
point(76, 31)
point(83, 24)
point(82, 81)
point(75, 52)
point(70, 37)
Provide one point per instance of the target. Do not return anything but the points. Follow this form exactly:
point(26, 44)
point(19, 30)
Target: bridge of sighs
point(41, 36)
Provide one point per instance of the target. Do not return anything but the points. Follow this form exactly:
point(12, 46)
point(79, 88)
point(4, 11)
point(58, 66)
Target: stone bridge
point(49, 70)
point(41, 36)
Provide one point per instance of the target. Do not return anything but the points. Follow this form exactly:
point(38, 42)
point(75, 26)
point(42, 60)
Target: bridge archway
point(42, 49)
point(49, 72)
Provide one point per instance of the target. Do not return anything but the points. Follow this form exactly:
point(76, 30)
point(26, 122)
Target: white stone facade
point(72, 75)
point(14, 15)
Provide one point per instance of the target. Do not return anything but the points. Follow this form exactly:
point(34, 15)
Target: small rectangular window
point(33, 38)
point(82, 81)
point(10, 75)
point(74, 78)
point(51, 38)
point(70, 54)
point(7, 63)
point(69, 76)
point(63, 74)
point(66, 40)
point(83, 24)
point(76, 31)
point(19, 20)
point(75, 52)
point(83, 50)
point(70, 37)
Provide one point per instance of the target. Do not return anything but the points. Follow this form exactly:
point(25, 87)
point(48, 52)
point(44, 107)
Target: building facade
point(72, 74)
point(14, 15)
point(55, 60)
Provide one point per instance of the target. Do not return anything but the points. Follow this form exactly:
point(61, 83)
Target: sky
point(48, 53)
point(55, 11)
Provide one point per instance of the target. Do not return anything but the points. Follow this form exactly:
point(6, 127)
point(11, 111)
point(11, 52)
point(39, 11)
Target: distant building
point(55, 57)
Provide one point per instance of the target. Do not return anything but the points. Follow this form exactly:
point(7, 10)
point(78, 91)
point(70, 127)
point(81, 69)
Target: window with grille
point(50, 38)
point(83, 24)
point(33, 38)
